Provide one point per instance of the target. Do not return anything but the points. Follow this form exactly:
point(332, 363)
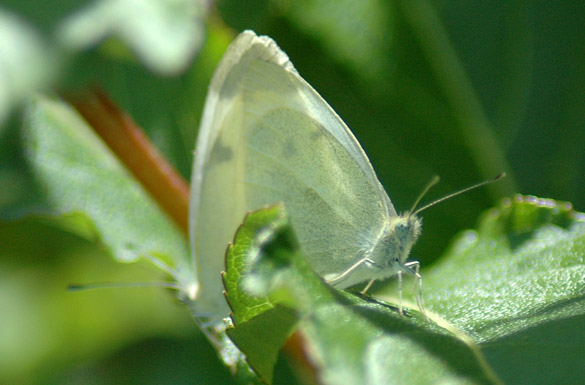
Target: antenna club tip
point(500, 176)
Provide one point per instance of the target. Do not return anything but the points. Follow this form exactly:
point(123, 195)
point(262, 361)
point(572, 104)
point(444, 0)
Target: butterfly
point(267, 136)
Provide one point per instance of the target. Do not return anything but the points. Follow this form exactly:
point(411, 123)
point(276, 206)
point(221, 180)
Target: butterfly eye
point(401, 229)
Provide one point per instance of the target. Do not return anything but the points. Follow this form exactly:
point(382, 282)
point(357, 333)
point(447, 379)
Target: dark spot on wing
point(317, 133)
point(289, 149)
point(220, 153)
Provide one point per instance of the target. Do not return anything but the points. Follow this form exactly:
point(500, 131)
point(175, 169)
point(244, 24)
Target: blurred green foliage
point(460, 89)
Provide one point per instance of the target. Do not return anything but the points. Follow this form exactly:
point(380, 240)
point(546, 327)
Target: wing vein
point(303, 183)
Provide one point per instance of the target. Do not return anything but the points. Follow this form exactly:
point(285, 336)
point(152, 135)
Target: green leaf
point(165, 36)
point(347, 338)
point(274, 326)
point(81, 176)
point(25, 63)
point(515, 285)
point(247, 270)
point(243, 305)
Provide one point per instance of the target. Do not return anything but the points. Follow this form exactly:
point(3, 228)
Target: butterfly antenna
point(497, 178)
point(163, 266)
point(119, 285)
point(434, 180)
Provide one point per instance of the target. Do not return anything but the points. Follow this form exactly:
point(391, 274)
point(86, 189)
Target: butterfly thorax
point(392, 247)
point(385, 256)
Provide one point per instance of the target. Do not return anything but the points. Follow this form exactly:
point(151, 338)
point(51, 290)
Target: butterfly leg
point(346, 273)
point(400, 293)
point(414, 268)
point(368, 286)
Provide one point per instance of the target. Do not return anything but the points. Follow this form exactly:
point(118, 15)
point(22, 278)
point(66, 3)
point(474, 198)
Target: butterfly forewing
point(268, 137)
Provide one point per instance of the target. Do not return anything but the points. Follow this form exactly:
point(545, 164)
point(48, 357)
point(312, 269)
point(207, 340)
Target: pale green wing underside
point(268, 137)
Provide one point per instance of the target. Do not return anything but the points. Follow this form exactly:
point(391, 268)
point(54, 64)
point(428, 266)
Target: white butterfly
point(267, 136)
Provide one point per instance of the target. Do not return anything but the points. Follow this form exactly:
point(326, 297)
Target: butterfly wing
point(267, 137)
